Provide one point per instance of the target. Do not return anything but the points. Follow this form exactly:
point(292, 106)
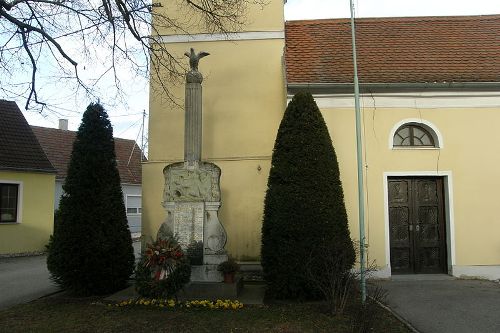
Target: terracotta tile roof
point(58, 145)
point(395, 50)
point(19, 148)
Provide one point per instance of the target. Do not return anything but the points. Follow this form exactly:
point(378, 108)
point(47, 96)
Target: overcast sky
point(127, 122)
point(309, 9)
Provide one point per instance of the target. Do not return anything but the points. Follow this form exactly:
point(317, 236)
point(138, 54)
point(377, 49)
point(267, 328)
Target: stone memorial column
point(193, 119)
point(192, 190)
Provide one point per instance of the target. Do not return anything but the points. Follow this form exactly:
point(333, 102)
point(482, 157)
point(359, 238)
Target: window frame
point(19, 208)
point(425, 125)
point(138, 209)
point(412, 136)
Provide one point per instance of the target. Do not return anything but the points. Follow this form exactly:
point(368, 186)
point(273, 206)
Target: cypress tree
point(91, 250)
point(304, 208)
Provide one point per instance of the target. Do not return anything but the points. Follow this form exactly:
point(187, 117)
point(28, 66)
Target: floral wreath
point(163, 269)
point(162, 257)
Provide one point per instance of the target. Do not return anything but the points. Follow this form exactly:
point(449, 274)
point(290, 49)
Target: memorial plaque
point(188, 222)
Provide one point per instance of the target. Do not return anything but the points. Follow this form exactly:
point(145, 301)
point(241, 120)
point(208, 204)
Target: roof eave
point(342, 88)
point(134, 183)
point(34, 170)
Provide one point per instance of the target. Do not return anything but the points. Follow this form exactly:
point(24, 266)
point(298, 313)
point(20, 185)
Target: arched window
point(415, 135)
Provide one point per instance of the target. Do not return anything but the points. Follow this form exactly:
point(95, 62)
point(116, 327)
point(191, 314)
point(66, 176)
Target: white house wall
point(134, 220)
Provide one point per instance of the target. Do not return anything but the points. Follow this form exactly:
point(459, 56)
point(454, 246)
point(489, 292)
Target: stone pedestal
point(192, 202)
point(208, 271)
point(211, 290)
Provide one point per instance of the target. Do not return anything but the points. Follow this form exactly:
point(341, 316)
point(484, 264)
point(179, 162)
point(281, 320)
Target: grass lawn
point(65, 314)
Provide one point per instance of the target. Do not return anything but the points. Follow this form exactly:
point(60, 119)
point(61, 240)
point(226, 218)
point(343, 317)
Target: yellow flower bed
point(171, 303)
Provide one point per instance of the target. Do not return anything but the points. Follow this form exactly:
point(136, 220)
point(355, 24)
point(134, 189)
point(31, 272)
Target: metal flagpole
point(359, 145)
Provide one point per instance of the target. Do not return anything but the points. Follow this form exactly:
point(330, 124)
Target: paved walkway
point(442, 304)
point(24, 279)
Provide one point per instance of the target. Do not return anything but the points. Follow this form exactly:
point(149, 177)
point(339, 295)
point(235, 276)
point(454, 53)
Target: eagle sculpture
point(194, 58)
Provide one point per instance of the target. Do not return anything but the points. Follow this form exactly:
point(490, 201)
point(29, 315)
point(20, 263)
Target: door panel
point(399, 222)
point(416, 222)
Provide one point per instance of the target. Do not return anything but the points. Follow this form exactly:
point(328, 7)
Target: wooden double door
point(417, 225)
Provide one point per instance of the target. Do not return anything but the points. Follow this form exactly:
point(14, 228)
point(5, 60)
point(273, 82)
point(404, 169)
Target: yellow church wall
point(229, 78)
point(465, 159)
point(341, 126)
point(243, 102)
point(243, 186)
point(462, 160)
point(153, 214)
point(36, 210)
point(268, 17)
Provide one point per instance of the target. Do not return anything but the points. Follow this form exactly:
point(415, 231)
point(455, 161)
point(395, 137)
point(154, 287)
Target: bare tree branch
point(81, 42)
point(28, 28)
point(33, 66)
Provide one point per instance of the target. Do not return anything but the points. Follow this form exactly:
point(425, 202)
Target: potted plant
point(228, 268)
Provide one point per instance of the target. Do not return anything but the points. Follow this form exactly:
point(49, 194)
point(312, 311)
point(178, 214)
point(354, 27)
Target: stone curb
point(401, 319)
point(22, 254)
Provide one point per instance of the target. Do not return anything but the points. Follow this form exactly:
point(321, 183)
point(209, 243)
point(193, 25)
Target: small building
point(27, 183)
point(58, 144)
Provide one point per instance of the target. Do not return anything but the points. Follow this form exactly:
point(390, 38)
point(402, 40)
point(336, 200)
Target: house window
point(9, 196)
point(134, 204)
point(414, 135)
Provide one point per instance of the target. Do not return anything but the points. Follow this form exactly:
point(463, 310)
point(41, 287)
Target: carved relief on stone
point(215, 235)
point(167, 227)
point(185, 184)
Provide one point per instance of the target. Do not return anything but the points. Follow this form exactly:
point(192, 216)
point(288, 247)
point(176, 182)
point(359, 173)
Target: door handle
point(417, 227)
point(411, 227)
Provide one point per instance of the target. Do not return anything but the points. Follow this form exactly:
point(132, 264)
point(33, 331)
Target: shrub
point(304, 208)
point(163, 269)
point(91, 249)
point(229, 266)
point(335, 284)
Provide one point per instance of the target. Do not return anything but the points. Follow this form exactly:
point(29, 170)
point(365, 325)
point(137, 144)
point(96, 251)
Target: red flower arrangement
point(162, 257)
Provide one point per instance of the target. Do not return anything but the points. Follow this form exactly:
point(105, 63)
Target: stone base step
point(251, 293)
point(211, 290)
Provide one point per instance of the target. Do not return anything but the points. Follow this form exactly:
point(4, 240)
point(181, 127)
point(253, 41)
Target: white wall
point(134, 220)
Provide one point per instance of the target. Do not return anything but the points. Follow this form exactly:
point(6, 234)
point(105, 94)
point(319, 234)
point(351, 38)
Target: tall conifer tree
point(91, 250)
point(304, 208)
